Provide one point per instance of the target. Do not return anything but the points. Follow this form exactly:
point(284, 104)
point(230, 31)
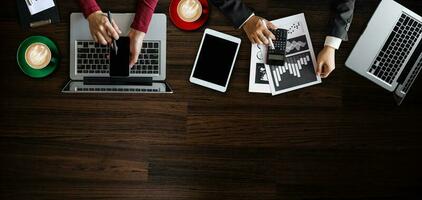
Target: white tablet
point(215, 60)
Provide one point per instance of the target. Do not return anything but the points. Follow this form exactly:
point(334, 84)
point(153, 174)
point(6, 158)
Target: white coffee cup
point(189, 10)
point(38, 55)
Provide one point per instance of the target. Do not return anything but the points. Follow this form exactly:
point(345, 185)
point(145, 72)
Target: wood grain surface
point(342, 139)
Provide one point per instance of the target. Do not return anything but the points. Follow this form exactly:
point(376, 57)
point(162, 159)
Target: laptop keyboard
point(92, 58)
point(397, 48)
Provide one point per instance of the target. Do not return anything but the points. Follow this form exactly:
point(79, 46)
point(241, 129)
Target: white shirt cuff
point(253, 14)
point(333, 42)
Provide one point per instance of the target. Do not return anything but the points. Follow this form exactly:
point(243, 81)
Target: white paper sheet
point(36, 6)
point(294, 75)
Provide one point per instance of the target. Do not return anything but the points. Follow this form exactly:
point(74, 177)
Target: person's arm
point(139, 27)
point(88, 7)
point(101, 29)
point(235, 10)
point(243, 17)
point(337, 34)
point(341, 23)
point(343, 19)
point(145, 10)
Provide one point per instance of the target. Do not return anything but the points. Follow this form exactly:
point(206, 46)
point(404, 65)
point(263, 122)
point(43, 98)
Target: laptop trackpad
point(119, 63)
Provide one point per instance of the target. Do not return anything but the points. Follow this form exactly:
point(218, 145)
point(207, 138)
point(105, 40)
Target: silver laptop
point(389, 51)
point(89, 63)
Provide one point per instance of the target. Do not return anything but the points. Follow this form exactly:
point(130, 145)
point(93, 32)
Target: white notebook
point(36, 6)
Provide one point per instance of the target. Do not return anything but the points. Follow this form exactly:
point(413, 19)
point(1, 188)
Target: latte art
point(189, 10)
point(38, 55)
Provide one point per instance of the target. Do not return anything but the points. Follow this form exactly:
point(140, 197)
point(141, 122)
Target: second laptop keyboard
point(92, 58)
point(396, 49)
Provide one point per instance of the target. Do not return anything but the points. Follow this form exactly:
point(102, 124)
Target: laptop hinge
point(411, 63)
point(118, 81)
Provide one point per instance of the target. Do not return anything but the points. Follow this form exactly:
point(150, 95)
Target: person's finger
point(270, 25)
point(250, 39)
point(327, 74)
point(257, 39)
point(328, 71)
point(322, 73)
point(105, 35)
point(115, 26)
point(319, 68)
point(112, 31)
point(269, 34)
point(325, 71)
point(101, 39)
point(263, 38)
point(253, 40)
point(94, 37)
point(134, 54)
point(133, 59)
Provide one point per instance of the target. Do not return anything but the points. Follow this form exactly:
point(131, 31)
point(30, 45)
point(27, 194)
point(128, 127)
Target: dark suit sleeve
point(343, 19)
point(235, 10)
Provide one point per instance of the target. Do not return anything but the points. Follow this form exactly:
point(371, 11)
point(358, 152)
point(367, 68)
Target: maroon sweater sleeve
point(88, 7)
point(144, 14)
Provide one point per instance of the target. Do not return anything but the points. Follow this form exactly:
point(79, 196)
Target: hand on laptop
point(326, 62)
point(136, 39)
point(101, 29)
point(257, 32)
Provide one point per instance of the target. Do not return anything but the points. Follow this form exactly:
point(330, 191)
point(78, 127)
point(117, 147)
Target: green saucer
point(38, 73)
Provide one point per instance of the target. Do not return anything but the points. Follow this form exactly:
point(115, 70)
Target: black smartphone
point(119, 63)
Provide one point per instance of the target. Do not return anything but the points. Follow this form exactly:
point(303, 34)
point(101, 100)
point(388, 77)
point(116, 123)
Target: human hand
point(326, 62)
point(102, 30)
point(257, 32)
point(136, 39)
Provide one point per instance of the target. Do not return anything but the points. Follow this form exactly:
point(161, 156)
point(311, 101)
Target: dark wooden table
point(343, 139)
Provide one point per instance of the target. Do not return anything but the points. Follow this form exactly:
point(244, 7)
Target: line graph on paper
point(297, 44)
point(297, 70)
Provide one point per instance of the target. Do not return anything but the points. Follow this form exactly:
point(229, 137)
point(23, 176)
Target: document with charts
point(299, 69)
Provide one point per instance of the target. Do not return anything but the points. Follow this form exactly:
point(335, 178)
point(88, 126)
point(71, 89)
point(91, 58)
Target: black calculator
point(277, 55)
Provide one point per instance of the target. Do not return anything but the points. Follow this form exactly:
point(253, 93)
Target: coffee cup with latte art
point(38, 55)
point(189, 10)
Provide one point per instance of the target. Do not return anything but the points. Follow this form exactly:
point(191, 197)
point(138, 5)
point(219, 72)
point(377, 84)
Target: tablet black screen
point(215, 60)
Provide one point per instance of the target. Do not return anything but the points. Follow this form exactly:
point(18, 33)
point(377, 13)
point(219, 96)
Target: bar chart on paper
point(293, 67)
point(297, 70)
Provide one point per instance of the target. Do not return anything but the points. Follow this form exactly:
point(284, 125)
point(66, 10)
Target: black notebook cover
point(26, 18)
